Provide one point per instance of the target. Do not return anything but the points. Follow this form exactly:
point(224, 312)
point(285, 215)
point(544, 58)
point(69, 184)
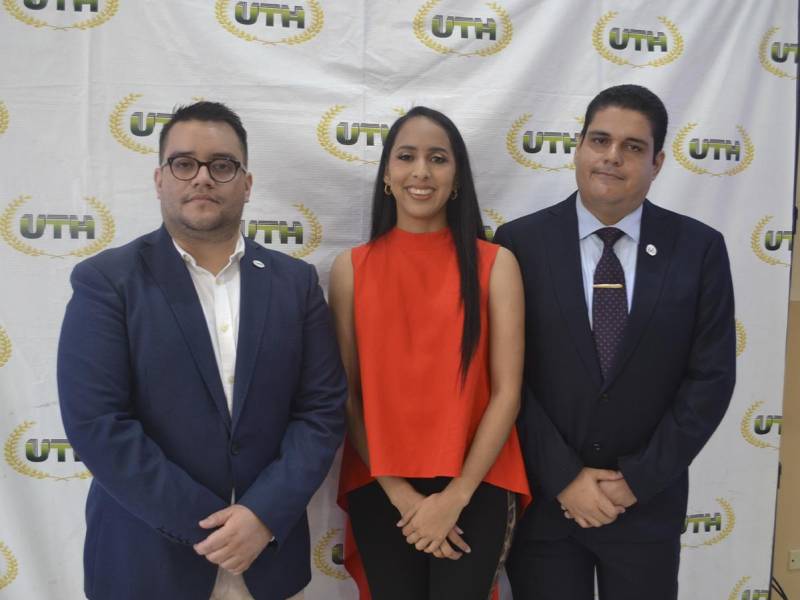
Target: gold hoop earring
point(454, 194)
point(387, 191)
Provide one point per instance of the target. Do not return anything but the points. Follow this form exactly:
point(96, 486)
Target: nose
point(203, 176)
point(614, 153)
point(421, 168)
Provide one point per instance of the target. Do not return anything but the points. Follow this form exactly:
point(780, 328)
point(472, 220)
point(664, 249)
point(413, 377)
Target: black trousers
point(565, 569)
point(397, 571)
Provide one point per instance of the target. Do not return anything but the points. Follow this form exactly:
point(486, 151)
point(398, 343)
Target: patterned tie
point(609, 300)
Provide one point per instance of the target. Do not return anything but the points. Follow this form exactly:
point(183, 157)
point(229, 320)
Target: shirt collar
point(630, 224)
point(238, 253)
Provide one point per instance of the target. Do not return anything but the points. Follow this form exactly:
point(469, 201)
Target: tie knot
point(609, 235)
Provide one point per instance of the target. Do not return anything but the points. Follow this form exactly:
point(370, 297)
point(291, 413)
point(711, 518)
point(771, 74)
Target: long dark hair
point(463, 219)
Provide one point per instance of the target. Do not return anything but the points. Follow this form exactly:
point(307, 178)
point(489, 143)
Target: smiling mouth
point(420, 193)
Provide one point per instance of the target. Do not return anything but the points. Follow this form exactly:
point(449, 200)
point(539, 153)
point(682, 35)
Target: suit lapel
point(564, 260)
point(173, 278)
point(651, 269)
point(256, 286)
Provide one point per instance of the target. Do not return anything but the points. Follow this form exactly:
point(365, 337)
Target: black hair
point(632, 97)
point(463, 220)
point(204, 111)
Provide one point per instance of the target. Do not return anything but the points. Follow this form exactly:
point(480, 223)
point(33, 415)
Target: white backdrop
point(86, 84)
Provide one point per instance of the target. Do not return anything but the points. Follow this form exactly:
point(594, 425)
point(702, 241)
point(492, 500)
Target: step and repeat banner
point(86, 85)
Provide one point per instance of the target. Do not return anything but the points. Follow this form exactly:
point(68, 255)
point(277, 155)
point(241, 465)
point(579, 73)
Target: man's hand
point(239, 540)
point(584, 500)
point(618, 492)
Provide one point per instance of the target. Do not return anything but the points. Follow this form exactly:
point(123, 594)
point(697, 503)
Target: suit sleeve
point(282, 491)
point(95, 387)
point(550, 462)
point(706, 389)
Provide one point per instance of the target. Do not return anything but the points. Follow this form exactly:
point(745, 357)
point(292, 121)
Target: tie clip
point(608, 286)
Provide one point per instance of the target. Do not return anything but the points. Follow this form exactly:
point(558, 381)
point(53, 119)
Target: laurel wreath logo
point(15, 462)
point(5, 347)
point(315, 239)
point(106, 220)
point(116, 126)
point(12, 566)
point(495, 216)
point(110, 8)
point(605, 52)
point(422, 35)
point(221, 12)
point(734, 595)
point(746, 429)
point(763, 56)
point(512, 146)
point(755, 243)
point(680, 141)
point(741, 338)
point(321, 554)
point(4, 118)
point(323, 137)
point(730, 523)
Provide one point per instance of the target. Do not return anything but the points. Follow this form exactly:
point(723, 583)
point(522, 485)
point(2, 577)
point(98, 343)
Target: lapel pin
point(258, 263)
point(651, 250)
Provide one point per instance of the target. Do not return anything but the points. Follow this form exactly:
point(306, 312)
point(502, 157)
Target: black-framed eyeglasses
point(221, 170)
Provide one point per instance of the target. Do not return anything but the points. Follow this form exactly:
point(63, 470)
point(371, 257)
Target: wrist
point(460, 491)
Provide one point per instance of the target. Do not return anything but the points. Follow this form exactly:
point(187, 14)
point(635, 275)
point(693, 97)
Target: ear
point(248, 185)
point(658, 162)
point(157, 174)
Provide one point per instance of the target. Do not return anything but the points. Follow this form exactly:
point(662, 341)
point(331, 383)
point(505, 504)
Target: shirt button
point(230, 378)
point(596, 446)
point(604, 398)
point(224, 328)
point(235, 448)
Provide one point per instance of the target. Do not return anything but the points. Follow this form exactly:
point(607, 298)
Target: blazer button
point(603, 398)
point(596, 446)
point(235, 448)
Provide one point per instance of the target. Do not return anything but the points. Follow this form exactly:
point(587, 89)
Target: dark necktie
point(609, 300)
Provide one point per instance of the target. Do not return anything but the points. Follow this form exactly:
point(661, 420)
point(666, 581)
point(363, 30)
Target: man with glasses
point(201, 384)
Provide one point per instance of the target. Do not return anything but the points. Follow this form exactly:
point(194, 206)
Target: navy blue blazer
point(143, 406)
point(667, 392)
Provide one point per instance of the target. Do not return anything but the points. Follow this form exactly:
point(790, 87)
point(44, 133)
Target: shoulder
point(523, 226)
point(120, 260)
point(685, 226)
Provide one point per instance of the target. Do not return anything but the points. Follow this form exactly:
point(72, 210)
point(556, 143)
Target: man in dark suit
point(200, 382)
point(630, 365)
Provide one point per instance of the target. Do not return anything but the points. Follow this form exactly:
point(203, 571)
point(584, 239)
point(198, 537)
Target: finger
point(433, 546)
point(409, 514)
point(220, 557)
point(582, 522)
point(458, 541)
point(216, 519)
point(438, 553)
point(212, 543)
point(607, 475)
point(421, 544)
point(413, 538)
point(449, 552)
point(409, 529)
point(607, 509)
point(568, 514)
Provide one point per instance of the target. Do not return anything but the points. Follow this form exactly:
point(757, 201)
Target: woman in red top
point(429, 318)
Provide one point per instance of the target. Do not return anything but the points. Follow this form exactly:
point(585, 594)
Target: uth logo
point(551, 147)
point(127, 126)
point(38, 451)
point(707, 529)
point(278, 233)
point(329, 555)
point(703, 149)
point(62, 15)
point(739, 592)
point(369, 134)
point(490, 34)
point(47, 226)
point(758, 429)
point(267, 23)
point(628, 46)
point(766, 243)
point(777, 56)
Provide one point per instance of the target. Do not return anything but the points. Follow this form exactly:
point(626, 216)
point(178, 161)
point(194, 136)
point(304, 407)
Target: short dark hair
point(204, 111)
point(632, 97)
point(463, 219)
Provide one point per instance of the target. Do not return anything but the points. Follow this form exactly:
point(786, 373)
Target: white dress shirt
point(591, 247)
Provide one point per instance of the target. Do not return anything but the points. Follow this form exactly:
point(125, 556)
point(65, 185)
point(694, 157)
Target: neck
point(412, 225)
point(211, 254)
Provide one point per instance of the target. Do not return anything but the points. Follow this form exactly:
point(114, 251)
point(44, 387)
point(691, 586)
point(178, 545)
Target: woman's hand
point(430, 526)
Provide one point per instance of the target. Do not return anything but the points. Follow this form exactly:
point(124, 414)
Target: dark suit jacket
point(670, 386)
point(144, 407)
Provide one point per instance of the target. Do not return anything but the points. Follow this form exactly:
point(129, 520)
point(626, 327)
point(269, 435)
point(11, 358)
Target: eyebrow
point(213, 155)
point(433, 149)
point(608, 135)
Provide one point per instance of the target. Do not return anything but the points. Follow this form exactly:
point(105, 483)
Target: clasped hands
point(429, 523)
point(596, 497)
point(241, 536)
